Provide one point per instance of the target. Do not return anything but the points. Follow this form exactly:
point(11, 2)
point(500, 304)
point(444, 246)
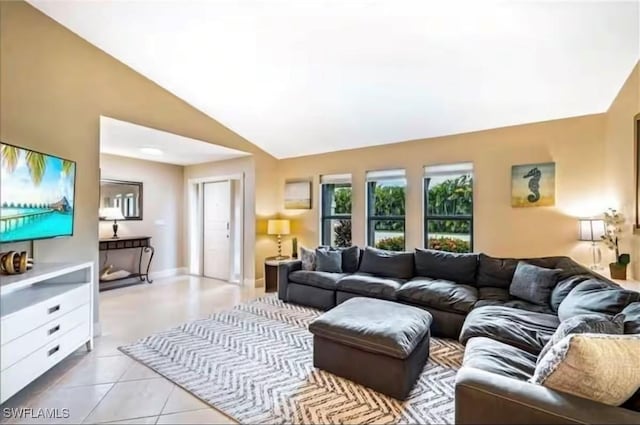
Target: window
point(335, 218)
point(386, 209)
point(448, 207)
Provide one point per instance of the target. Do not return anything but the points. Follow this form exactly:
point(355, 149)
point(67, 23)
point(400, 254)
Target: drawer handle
point(54, 330)
point(53, 350)
point(54, 309)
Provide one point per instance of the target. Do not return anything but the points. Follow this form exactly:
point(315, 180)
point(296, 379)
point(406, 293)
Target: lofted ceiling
point(136, 141)
point(299, 77)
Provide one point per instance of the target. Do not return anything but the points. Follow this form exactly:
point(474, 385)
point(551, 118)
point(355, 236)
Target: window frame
point(425, 205)
point(370, 210)
point(325, 209)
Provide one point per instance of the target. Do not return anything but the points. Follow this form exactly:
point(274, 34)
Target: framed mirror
point(124, 195)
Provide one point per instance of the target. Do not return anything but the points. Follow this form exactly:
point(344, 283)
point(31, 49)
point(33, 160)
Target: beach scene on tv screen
point(36, 195)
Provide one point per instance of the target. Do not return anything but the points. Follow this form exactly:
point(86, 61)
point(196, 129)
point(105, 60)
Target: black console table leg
point(145, 276)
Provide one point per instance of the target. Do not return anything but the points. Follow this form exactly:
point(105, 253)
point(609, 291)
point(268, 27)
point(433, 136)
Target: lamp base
point(115, 230)
point(597, 257)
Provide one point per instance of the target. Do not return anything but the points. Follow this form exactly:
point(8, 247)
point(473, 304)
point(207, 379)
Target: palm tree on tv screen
point(36, 162)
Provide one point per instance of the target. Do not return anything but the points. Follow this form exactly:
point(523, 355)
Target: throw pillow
point(603, 368)
point(398, 265)
point(596, 296)
point(458, 268)
point(308, 258)
point(532, 283)
point(350, 259)
point(586, 323)
point(328, 261)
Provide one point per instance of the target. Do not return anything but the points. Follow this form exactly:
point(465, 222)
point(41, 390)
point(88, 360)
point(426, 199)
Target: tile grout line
point(113, 385)
point(97, 404)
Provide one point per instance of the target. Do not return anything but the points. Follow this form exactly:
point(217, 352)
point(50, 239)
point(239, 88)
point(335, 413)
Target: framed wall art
point(533, 185)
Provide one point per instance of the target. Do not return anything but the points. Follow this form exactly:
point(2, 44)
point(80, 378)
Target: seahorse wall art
point(533, 185)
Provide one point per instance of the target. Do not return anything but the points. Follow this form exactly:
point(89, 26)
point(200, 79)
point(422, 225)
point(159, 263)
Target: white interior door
point(217, 229)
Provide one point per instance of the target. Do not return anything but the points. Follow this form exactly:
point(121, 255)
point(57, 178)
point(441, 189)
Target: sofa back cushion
point(534, 284)
point(459, 268)
point(596, 296)
point(498, 272)
point(398, 265)
point(495, 272)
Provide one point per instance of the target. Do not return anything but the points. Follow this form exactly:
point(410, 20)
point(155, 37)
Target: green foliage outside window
point(450, 197)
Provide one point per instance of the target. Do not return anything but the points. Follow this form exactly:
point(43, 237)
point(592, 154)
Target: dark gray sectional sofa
point(468, 296)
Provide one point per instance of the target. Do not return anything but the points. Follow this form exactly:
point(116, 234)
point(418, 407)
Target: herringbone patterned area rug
point(255, 363)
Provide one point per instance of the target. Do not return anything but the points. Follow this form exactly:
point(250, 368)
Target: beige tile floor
point(105, 386)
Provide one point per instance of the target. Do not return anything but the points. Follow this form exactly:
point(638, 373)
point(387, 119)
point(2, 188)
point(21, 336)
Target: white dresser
point(45, 315)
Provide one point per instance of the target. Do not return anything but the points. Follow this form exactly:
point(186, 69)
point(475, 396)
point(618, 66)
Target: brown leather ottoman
point(380, 344)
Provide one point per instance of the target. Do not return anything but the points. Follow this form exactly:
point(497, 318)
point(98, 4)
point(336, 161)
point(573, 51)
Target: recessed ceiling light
point(151, 151)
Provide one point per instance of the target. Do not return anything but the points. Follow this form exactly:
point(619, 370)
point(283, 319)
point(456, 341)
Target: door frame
point(195, 223)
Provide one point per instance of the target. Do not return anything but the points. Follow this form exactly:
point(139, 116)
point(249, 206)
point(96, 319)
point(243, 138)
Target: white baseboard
point(160, 274)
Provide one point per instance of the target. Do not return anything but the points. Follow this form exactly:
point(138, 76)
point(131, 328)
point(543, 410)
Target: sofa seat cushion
point(526, 330)
point(496, 357)
point(525, 305)
point(437, 293)
point(322, 280)
point(377, 326)
point(500, 297)
point(492, 296)
point(370, 286)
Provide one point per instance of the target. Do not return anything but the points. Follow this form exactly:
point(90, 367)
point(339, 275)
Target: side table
point(271, 272)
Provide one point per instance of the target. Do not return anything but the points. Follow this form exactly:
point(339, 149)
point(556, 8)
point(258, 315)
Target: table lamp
point(279, 228)
point(114, 214)
point(592, 230)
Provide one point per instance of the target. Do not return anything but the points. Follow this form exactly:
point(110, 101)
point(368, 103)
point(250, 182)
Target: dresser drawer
point(20, 374)
point(21, 347)
point(32, 317)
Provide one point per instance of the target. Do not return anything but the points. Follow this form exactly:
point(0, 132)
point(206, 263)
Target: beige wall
point(621, 158)
point(162, 211)
point(53, 88)
point(574, 144)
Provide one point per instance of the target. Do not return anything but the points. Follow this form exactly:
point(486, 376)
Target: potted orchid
point(614, 222)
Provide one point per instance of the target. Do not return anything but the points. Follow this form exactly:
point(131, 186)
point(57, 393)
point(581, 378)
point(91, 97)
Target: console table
point(143, 243)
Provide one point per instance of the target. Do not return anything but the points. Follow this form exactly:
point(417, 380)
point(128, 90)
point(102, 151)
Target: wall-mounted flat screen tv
point(37, 195)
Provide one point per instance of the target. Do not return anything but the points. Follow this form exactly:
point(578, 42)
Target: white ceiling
point(126, 139)
point(300, 77)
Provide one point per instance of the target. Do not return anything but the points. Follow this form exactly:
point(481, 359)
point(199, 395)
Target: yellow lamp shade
point(278, 227)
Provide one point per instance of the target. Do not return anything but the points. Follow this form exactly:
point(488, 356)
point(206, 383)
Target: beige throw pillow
point(604, 368)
